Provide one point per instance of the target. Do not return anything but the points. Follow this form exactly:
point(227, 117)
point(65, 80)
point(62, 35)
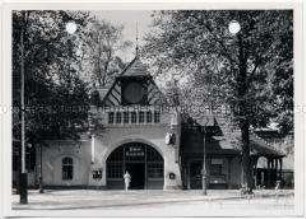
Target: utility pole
point(23, 181)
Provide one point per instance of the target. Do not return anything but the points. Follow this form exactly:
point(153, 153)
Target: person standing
point(127, 180)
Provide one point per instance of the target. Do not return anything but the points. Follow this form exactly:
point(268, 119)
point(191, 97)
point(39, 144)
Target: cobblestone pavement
point(156, 203)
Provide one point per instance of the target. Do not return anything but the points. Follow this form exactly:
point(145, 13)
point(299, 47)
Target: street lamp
point(71, 27)
point(234, 27)
point(41, 185)
point(23, 180)
point(204, 170)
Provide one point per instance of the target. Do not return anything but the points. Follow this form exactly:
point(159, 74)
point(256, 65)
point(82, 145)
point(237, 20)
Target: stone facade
point(91, 154)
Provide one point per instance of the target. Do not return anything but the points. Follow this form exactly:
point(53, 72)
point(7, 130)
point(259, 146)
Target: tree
point(56, 99)
point(240, 71)
point(103, 41)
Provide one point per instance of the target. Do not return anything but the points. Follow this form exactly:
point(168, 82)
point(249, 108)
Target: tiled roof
point(135, 68)
point(231, 140)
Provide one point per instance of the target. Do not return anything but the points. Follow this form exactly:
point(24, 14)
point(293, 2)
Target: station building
point(155, 144)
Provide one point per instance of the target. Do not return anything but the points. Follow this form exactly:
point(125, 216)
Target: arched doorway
point(144, 163)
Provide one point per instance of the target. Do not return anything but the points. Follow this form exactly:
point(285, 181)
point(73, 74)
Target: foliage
point(243, 72)
point(103, 41)
point(53, 89)
point(61, 69)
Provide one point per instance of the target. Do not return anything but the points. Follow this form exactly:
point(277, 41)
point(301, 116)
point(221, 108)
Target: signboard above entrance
point(135, 151)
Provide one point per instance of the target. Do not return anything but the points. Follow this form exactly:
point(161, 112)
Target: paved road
point(155, 203)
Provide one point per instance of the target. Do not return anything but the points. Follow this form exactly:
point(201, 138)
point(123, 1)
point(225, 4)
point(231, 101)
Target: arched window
point(67, 168)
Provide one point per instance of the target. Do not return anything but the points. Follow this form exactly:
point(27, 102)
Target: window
point(126, 118)
point(153, 155)
point(141, 117)
point(67, 168)
point(114, 170)
point(155, 170)
point(156, 117)
point(216, 167)
point(133, 117)
point(115, 164)
point(149, 117)
point(118, 117)
point(110, 118)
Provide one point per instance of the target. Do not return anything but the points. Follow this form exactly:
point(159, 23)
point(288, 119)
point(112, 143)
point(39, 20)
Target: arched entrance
point(143, 162)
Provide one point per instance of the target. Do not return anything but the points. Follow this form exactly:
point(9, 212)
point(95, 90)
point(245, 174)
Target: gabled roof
point(135, 68)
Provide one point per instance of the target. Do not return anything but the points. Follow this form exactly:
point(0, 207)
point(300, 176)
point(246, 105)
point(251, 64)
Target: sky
point(129, 19)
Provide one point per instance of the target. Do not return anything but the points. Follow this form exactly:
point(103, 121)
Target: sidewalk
point(91, 199)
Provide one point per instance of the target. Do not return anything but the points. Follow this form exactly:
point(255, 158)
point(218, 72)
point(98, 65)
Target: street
point(155, 203)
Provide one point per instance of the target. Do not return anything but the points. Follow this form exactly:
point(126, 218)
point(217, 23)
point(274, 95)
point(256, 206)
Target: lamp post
point(204, 169)
point(41, 185)
point(23, 181)
point(70, 27)
point(234, 28)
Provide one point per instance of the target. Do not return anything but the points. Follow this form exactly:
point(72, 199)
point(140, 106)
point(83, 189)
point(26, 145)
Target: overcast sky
point(129, 20)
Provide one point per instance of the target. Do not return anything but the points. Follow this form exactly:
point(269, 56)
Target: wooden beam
point(118, 101)
point(110, 102)
point(115, 89)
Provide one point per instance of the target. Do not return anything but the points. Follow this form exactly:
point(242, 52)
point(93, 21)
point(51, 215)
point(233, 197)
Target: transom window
point(133, 117)
point(67, 168)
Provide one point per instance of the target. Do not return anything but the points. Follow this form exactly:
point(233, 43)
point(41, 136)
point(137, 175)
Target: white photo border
point(6, 84)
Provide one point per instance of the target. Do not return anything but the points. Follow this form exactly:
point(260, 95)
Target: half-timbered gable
point(134, 86)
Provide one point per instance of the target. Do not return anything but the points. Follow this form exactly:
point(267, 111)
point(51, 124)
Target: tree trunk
point(246, 167)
